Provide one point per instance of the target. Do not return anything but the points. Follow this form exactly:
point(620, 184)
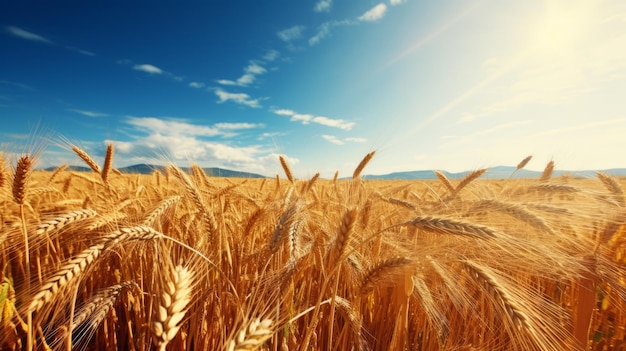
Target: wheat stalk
point(287, 169)
point(547, 172)
point(108, 161)
point(357, 171)
point(470, 177)
point(171, 308)
point(85, 157)
point(445, 181)
point(523, 162)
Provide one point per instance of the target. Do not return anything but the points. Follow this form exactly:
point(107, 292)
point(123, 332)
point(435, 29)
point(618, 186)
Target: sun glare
point(562, 27)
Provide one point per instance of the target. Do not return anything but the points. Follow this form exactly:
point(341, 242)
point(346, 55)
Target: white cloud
point(336, 123)
point(322, 32)
point(238, 98)
point(308, 118)
point(197, 85)
point(325, 28)
point(374, 14)
point(232, 126)
point(171, 127)
point(396, 2)
point(266, 135)
point(332, 139)
point(271, 55)
point(323, 6)
point(291, 34)
point(226, 82)
point(284, 112)
point(337, 141)
point(249, 76)
point(305, 119)
point(148, 69)
point(88, 113)
point(20, 33)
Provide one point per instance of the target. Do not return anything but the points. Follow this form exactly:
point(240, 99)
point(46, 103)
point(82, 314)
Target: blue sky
point(450, 85)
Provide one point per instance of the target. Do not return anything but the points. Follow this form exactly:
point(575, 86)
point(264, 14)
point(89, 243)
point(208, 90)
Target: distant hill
point(147, 169)
point(498, 172)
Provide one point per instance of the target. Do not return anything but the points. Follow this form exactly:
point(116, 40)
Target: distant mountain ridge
point(148, 169)
point(498, 172)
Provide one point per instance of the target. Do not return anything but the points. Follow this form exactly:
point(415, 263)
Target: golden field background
point(183, 261)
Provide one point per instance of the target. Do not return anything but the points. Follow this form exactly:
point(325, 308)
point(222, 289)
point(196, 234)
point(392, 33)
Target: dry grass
point(102, 262)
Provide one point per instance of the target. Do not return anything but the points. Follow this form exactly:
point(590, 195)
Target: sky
point(449, 85)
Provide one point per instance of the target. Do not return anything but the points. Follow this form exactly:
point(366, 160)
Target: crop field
point(179, 260)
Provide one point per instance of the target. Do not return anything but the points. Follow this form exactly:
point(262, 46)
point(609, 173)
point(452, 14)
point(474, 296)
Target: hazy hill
point(498, 172)
point(147, 169)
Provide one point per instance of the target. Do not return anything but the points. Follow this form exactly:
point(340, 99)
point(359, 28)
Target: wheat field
point(178, 260)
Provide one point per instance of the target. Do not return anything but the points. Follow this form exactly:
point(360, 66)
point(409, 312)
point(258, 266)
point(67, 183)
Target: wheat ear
point(384, 272)
point(85, 157)
point(60, 221)
point(523, 162)
point(74, 268)
point(345, 234)
point(160, 209)
point(108, 161)
point(56, 172)
point(20, 178)
point(362, 164)
point(445, 181)
point(547, 172)
point(470, 177)
point(98, 306)
point(613, 186)
point(171, 308)
point(287, 169)
point(3, 172)
point(252, 336)
point(451, 226)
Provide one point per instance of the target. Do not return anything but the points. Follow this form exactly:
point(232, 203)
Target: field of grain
point(181, 261)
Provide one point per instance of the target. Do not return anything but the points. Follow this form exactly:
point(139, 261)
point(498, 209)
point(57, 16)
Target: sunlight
point(561, 28)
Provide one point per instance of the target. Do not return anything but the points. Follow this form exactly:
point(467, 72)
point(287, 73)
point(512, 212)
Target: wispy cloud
point(339, 141)
point(324, 30)
point(271, 55)
point(290, 34)
point(197, 85)
point(332, 139)
point(308, 118)
point(16, 84)
point(374, 14)
point(323, 6)
point(396, 2)
point(80, 51)
point(235, 126)
point(250, 72)
point(148, 68)
point(21, 33)
point(87, 113)
point(238, 98)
